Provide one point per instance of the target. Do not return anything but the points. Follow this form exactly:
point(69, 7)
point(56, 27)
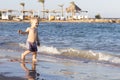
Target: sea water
point(96, 43)
point(97, 40)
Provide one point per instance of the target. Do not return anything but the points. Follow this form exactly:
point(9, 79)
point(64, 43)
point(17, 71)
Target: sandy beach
point(89, 20)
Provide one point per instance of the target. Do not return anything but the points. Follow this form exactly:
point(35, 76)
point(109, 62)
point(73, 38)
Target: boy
point(32, 40)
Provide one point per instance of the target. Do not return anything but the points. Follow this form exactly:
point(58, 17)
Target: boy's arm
point(21, 32)
point(38, 41)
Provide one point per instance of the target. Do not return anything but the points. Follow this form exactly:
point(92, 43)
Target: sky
point(106, 8)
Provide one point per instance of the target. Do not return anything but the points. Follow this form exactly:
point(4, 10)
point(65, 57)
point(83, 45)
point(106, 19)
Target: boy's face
point(35, 22)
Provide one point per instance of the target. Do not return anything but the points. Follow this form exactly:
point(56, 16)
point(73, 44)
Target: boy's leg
point(24, 54)
point(34, 58)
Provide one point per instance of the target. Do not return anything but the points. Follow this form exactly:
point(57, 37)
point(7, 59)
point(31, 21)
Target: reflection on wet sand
point(31, 74)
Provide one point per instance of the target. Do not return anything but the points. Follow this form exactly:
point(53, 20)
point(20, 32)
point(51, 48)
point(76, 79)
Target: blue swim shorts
point(31, 46)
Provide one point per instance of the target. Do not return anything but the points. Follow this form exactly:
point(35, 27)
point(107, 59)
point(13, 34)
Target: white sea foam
point(93, 53)
point(46, 49)
point(106, 57)
point(22, 45)
point(69, 50)
point(109, 58)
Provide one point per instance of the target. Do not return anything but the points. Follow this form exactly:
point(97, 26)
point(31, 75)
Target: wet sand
point(2, 77)
point(55, 68)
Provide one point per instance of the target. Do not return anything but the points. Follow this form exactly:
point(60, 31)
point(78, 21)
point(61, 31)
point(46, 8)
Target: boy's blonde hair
point(33, 18)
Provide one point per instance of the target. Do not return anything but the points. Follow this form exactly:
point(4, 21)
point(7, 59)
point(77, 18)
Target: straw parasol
point(73, 8)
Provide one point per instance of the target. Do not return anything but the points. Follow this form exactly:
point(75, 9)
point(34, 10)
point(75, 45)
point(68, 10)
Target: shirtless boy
point(32, 40)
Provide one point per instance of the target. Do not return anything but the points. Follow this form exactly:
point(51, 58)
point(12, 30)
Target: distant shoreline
point(87, 20)
point(81, 20)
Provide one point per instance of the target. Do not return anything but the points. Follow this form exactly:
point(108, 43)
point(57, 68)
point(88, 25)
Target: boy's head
point(34, 22)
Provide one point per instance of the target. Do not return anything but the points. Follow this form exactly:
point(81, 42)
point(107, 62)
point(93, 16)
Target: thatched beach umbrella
point(23, 5)
point(73, 8)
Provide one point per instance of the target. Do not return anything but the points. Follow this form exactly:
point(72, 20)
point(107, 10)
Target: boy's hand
point(19, 31)
point(38, 43)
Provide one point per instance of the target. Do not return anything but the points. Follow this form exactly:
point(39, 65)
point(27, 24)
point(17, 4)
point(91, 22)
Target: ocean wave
point(91, 55)
point(86, 54)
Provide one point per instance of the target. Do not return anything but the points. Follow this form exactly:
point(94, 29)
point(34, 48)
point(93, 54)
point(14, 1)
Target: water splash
point(49, 50)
